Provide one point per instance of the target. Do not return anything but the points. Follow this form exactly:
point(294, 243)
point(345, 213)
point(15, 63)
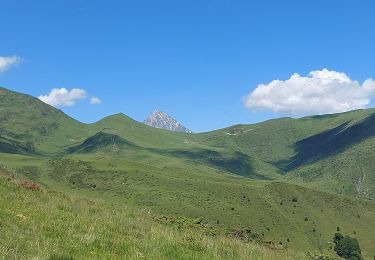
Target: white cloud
point(7, 62)
point(63, 97)
point(320, 92)
point(95, 101)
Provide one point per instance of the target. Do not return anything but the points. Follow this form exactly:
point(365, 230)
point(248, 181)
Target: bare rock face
point(162, 120)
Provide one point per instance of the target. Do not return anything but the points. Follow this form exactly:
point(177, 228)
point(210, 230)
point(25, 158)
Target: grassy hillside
point(275, 140)
point(40, 224)
point(329, 152)
point(265, 177)
point(275, 149)
point(349, 172)
point(34, 126)
point(297, 217)
point(46, 131)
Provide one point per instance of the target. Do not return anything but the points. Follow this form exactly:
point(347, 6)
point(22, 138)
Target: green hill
point(101, 142)
point(312, 150)
point(291, 181)
point(275, 149)
point(26, 121)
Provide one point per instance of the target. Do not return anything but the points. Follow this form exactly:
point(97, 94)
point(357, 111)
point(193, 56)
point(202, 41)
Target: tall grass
point(39, 224)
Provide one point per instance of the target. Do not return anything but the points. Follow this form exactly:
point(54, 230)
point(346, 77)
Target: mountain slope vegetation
point(291, 181)
point(42, 224)
point(319, 146)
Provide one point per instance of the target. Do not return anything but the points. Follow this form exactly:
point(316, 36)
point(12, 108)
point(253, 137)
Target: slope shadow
point(330, 142)
point(11, 146)
point(237, 163)
point(99, 142)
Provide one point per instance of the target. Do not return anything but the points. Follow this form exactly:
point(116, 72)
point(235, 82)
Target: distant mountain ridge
point(328, 152)
point(162, 120)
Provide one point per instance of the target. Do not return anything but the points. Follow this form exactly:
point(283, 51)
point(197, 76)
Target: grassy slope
point(320, 151)
point(343, 173)
point(43, 224)
point(260, 151)
point(233, 201)
point(190, 174)
point(38, 126)
point(39, 129)
point(273, 141)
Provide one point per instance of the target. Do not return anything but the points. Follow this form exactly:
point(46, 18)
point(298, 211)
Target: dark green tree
point(347, 247)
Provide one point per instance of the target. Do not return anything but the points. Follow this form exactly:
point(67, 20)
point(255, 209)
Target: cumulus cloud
point(63, 97)
point(7, 62)
point(95, 101)
point(320, 92)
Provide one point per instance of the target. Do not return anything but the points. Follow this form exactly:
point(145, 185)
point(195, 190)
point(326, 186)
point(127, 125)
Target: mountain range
point(295, 181)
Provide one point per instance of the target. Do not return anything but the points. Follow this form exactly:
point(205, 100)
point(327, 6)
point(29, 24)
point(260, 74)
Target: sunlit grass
point(39, 224)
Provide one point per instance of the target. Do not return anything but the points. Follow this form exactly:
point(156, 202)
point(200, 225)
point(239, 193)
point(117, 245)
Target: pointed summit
point(162, 120)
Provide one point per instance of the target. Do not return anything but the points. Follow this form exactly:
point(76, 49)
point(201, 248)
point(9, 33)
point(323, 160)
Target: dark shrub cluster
point(347, 247)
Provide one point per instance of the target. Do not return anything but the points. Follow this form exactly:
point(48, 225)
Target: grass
point(42, 224)
point(226, 201)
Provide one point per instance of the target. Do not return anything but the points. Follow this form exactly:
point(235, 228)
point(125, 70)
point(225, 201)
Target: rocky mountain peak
point(162, 120)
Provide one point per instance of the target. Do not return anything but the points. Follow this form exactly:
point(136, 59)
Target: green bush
point(347, 247)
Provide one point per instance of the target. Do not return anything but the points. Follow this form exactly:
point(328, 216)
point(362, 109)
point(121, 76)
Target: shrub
point(294, 199)
point(347, 247)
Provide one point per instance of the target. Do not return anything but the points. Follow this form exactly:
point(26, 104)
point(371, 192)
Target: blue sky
point(196, 60)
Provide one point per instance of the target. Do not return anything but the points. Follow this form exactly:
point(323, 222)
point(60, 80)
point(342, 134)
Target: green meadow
point(43, 224)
